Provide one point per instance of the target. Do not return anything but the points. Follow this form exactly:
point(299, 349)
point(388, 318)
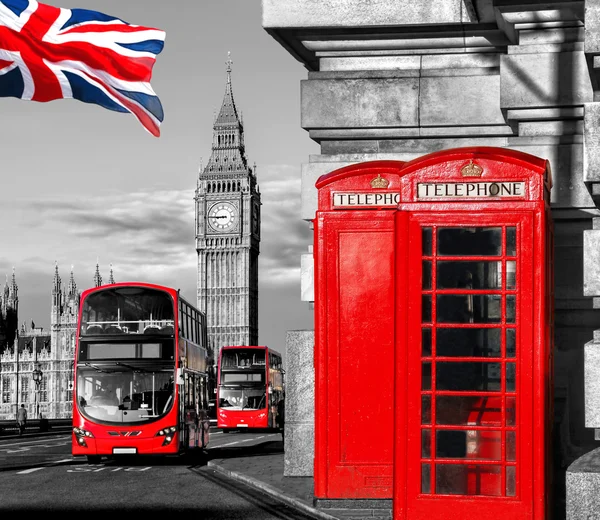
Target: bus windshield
point(128, 310)
point(117, 392)
point(242, 390)
point(241, 357)
point(242, 398)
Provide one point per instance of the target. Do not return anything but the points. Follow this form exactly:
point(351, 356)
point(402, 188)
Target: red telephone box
point(354, 331)
point(474, 369)
point(433, 335)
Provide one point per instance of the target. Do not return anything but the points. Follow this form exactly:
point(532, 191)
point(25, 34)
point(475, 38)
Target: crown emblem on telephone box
point(471, 170)
point(379, 182)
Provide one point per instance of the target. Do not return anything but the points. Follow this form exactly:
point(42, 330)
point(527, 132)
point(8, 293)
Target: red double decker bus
point(141, 373)
point(250, 388)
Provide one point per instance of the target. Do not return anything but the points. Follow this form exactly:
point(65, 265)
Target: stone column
point(583, 475)
point(299, 404)
point(583, 487)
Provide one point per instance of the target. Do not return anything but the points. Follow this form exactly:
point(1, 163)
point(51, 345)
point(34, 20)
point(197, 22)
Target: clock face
point(222, 216)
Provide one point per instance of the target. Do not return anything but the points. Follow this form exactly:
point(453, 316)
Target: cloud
point(154, 229)
point(284, 236)
point(146, 235)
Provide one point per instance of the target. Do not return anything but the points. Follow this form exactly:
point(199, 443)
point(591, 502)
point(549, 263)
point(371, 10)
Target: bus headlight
point(80, 435)
point(80, 432)
point(168, 433)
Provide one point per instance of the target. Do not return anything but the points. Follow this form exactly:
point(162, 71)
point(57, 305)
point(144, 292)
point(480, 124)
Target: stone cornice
point(514, 16)
point(468, 28)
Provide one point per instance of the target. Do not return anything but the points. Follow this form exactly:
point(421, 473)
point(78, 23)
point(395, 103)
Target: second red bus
point(250, 388)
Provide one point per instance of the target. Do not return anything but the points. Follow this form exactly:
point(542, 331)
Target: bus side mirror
point(179, 376)
point(270, 389)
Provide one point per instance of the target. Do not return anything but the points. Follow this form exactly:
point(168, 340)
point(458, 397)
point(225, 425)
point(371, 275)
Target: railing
point(10, 427)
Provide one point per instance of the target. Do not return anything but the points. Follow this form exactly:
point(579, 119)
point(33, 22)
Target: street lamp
point(37, 377)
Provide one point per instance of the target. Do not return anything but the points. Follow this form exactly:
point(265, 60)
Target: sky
point(81, 185)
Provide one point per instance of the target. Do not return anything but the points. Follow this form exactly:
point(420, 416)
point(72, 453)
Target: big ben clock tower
point(228, 234)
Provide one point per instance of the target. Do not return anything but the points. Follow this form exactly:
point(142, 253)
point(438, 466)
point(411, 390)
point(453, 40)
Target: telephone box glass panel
point(469, 360)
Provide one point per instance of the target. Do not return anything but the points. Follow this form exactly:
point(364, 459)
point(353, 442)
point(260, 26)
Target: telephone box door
point(356, 420)
point(468, 361)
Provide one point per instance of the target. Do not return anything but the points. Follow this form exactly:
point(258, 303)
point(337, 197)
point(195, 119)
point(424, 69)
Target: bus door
point(192, 422)
point(467, 358)
point(182, 386)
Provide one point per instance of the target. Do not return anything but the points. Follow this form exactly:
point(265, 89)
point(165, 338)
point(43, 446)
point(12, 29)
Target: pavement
point(263, 471)
point(260, 467)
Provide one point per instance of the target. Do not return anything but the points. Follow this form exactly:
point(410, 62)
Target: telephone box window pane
point(510, 481)
point(511, 411)
point(468, 308)
point(511, 274)
point(426, 310)
point(426, 444)
point(425, 409)
point(468, 376)
point(427, 241)
point(461, 274)
point(465, 410)
point(426, 376)
point(468, 342)
point(426, 341)
point(510, 309)
point(426, 274)
point(425, 478)
point(510, 377)
point(511, 343)
point(511, 446)
point(474, 241)
point(474, 479)
point(451, 479)
point(511, 241)
point(451, 444)
point(472, 444)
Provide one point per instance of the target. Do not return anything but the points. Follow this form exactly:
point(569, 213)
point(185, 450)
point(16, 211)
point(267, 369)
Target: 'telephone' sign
point(433, 190)
point(453, 190)
point(353, 200)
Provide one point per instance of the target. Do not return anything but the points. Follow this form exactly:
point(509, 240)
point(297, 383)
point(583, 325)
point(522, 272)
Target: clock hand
point(219, 216)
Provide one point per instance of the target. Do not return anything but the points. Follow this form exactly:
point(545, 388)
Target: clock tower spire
point(227, 203)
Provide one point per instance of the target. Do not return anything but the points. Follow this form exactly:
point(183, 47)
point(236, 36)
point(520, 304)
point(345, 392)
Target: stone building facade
point(228, 233)
point(398, 80)
point(51, 351)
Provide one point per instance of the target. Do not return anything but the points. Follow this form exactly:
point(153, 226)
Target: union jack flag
point(49, 53)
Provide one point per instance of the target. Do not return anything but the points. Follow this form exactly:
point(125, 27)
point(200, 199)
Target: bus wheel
point(94, 459)
point(226, 430)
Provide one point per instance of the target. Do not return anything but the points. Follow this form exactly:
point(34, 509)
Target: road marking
point(27, 445)
point(24, 472)
point(47, 464)
point(93, 469)
point(243, 440)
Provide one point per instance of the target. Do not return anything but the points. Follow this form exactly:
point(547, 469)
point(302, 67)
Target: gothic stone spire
point(97, 277)
point(56, 288)
point(13, 288)
point(72, 286)
point(228, 150)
